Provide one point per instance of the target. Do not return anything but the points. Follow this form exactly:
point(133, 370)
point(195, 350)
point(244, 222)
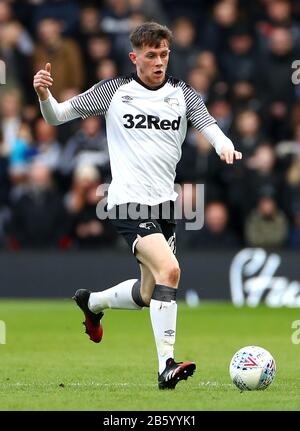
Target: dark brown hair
point(150, 34)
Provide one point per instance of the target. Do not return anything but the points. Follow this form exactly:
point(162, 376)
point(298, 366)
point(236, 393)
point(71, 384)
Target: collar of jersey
point(138, 80)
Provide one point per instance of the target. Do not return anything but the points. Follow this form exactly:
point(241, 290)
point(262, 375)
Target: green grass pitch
point(48, 363)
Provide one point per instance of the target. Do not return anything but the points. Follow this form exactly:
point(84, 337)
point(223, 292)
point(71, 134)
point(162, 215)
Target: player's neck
point(147, 85)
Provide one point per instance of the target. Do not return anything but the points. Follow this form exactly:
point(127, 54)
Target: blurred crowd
point(237, 54)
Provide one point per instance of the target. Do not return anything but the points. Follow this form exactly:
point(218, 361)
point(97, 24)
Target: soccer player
point(146, 119)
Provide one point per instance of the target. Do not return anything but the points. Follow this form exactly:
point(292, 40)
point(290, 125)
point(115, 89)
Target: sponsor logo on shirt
point(142, 121)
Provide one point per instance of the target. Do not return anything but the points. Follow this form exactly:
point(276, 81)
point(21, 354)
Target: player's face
point(151, 63)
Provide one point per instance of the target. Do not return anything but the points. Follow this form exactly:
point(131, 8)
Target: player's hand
point(229, 154)
point(42, 81)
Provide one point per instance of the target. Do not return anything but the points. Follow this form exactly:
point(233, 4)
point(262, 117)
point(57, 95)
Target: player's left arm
point(201, 119)
point(223, 145)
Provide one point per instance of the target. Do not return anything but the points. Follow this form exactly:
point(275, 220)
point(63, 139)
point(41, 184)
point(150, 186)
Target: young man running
point(146, 119)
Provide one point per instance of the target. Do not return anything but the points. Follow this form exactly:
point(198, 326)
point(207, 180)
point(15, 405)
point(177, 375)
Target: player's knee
point(169, 276)
point(174, 275)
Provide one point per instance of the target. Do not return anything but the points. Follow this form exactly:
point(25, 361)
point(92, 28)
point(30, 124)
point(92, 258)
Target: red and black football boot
point(174, 372)
point(92, 321)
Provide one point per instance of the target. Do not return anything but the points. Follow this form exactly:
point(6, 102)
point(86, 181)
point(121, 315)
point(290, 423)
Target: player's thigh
point(155, 253)
point(147, 283)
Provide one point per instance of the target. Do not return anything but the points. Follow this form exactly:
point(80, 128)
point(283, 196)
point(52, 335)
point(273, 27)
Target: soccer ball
point(252, 368)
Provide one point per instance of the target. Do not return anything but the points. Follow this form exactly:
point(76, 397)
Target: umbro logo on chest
point(127, 99)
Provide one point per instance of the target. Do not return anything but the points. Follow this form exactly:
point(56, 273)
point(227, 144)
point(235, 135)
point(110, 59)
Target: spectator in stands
point(225, 16)
point(5, 216)
point(221, 109)
point(89, 26)
point(290, 147)
point(63, 53)
point(39, 219)
point(295, 112)
point(258, 174)
point(16, 48)
point(247, 132)
point(287, 152)
point(244, 96)
point(216, 232)
point(10, 116)
point(98, 48)
point(6, 12)
point(4, 178)
point(293, 183)
point(184, 34)
point(67, 130)
point(267, 225)
point(261, 174)
point(152, 9)
point(239, 59)
point(277, 13)
point(88, 145)
point(81, 202)
point(21, 155)
point(64, 11)
point(277, 89)
point(294, 232)
point(48, 148)
point(106, 69)
point(199, 79)
point(5, 212)
point(198, 164)
point(207, 62)
point(121, 45)
point(116, 19)
point(19, 34)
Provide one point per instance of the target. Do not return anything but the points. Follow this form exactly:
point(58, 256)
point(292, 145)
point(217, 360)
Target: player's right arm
point(42, 80)
point(53, 112)
point(94, 101)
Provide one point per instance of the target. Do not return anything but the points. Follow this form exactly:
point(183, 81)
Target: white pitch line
point(96, 384)
point(76, 384)
point(215, 384)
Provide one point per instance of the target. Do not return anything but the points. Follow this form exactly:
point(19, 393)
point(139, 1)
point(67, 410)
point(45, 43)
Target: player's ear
point(132, 56)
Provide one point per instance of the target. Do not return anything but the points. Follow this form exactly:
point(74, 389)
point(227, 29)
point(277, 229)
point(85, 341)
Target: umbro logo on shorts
point(147, 225)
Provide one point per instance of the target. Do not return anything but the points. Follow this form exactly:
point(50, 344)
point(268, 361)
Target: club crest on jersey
point(172, 101)
point(126, 99)
point(147, 225)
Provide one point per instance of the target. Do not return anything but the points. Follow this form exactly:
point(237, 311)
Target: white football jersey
point(145, 131)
